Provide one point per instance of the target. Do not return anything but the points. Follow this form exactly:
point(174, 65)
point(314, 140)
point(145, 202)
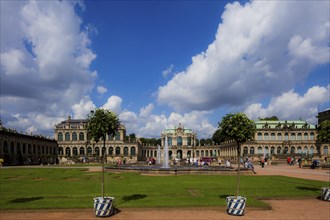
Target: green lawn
point(45, 188)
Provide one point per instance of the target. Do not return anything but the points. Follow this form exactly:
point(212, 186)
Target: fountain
point(165, 162)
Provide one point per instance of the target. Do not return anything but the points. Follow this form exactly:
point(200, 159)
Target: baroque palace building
point(278, 139)
point(71, 136)
point(182, 144)
point(22, 149)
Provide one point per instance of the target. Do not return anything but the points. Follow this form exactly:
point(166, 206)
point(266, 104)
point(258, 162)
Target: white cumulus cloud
point(291, 106)
point(257, 45)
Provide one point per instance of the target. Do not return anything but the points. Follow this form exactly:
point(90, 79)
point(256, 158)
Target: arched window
point(311, 150)
point(206, 153)
point(60, 136)
point(169, 141)
point(293, 136)
point(81, 136)
point(279, 136)
point(279, 150)
point(245, 150)
point(179, 141)
point(299, 150)
point(202, 153)
point(286, 136)
point(189, 141)
point(75, 151)
point(67, 151)
point(251, 150)
point(117, 136)
point(125, 151)
point(306, 150)
point(97, 151)
point(133, 151)
point(81, 150)
point(272, 136)
point(74, 136)
point(197, 153)
point(266, 136)
point(259, 150)
point(325, 150)
point(266, 150)
point(311, 136)
point(67, 136)
point(299, 136)
point(286, 149)
point(110, 151)
point(272, 150)
point(89, 150)
point(24, 148)
point(305, 136)
point(259, 136)
point(293, 149)
point(117, 151)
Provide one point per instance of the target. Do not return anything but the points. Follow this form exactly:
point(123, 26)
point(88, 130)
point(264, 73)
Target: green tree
point(240, 128)
point(323, 132)
point(100, 123)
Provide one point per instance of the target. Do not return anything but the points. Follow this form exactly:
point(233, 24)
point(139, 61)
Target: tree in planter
point(100, 123)
point(236, 127)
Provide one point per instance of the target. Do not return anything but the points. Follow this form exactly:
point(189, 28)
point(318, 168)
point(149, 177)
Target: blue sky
point(161, 63)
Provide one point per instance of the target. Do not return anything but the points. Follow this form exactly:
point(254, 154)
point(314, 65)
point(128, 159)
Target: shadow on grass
point(223, 196)
point(25, 200)
point(132, 197)
point(306, 188)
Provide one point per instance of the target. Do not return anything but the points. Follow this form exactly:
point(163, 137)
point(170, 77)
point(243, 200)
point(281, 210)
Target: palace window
point(279, 136)
point(259, 150)
point(272, 136)
point(279, 150)
point(311, 136)
point(75, 151)
point(189, 141)
point(110, 151)
point(60, 136)
point(117, 151)
point(126, 151)
point(67, 151)
point(299, 137)
point(89, 150)
point(325, 150)
point(305, 136)
point(286, 136)
point(81, 136)
point(179, 140)
point(74, 136)
point(81, 150)
point(266, 136)
point(67, 136)
point(293, 136)
point(245, 150)
point(272, 150)
point(169, 141)
point(251, 150)
point(299, 150)
point(259, 136)
point(293, 149)
point(133, 151)
point(97, 151)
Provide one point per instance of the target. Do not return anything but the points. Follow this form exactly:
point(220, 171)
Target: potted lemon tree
point(240, 128)
point(100, 124)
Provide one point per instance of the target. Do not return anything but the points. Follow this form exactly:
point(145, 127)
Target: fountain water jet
point(165, 163)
